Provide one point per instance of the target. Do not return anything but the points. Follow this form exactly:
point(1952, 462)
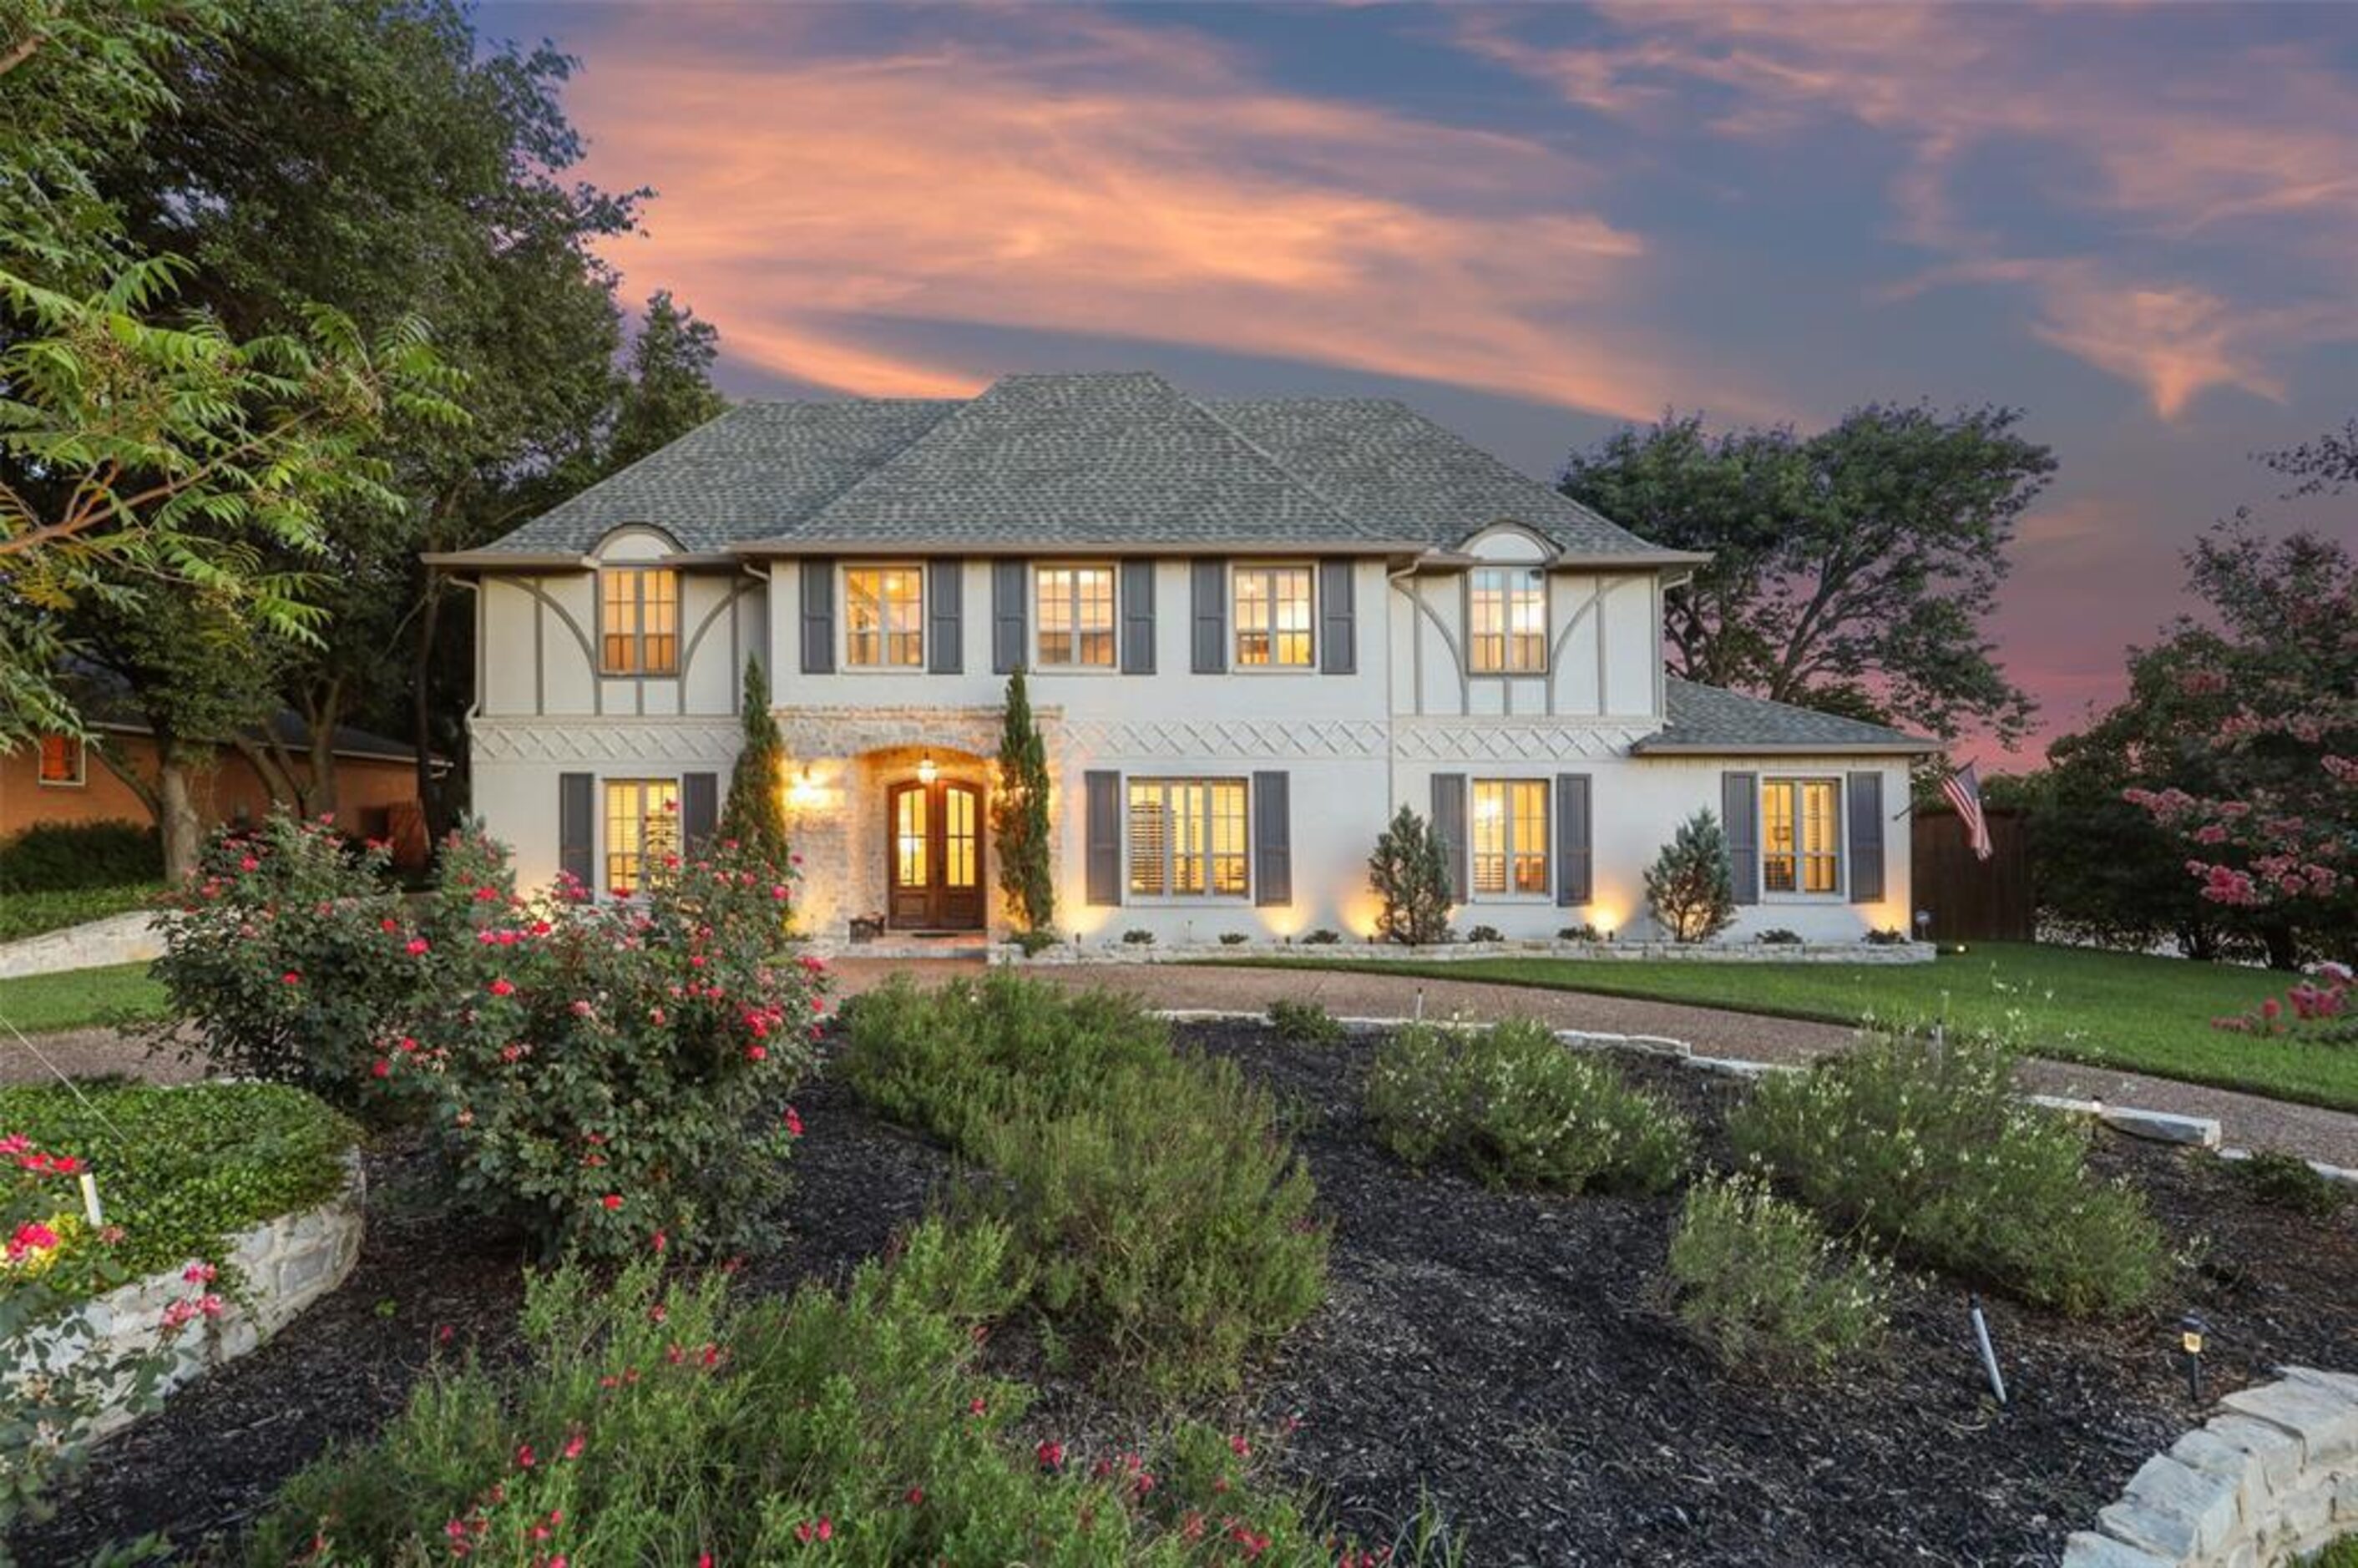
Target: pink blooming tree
point(2268, 814)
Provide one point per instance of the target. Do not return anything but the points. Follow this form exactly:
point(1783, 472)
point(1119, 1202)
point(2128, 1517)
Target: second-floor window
point(1801, 835)
point(1509, 609)
point(1077, 628)
point(1274, 617)
point(1509, 837)
point(885, 623)
point(638, 621)
point(1187, 837)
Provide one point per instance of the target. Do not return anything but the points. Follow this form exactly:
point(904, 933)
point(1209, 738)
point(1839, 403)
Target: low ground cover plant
point(1305, 1022)
point(1761, 1284)
point(178, 1171)
point(657, 1422)
point(2288, 1181)
point(26, 914)
point(1160, 1214)
point(65, 857)
point(1924, 1145)
point(1511, 1105)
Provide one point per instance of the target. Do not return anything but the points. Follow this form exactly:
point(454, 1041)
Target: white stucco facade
point(1352, 746)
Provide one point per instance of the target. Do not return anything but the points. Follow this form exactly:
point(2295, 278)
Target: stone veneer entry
point(281, 1266)
point(2271, 1478)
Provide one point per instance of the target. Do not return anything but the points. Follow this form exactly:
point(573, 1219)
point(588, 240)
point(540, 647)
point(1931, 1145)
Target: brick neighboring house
point(62, 780)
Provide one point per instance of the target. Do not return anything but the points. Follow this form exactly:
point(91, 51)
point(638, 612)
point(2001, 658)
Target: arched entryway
point(934, 876)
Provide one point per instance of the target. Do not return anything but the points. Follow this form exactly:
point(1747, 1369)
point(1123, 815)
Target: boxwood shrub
point(1926, 1146)
point(180, 1171)
point(1160, 1214)
point(62, 857)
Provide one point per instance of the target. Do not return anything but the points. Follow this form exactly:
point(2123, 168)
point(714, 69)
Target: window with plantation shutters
point(1187, 839)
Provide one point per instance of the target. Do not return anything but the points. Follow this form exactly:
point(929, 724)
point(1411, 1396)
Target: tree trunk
point(176, 811)
point(2284, 948)
point(321, 717)
point(421, 709)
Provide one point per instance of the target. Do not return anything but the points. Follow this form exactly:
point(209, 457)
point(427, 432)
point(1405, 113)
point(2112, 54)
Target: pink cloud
point(1075, 174)
point(2254, 147)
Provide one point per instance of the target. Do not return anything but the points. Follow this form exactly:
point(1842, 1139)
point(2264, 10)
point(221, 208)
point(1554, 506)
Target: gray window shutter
point(818, 617)
point(1575, 857)
point(577, 854)
point(1273, 826)
point(1209, 644)
point(699, 809)
point(1101, 836)
point(1449, 827)
point(1138, 617)
point(1007, 618)
point(1864, 831)
point(1739, 811)
point(945, 617)
point(1338, 645)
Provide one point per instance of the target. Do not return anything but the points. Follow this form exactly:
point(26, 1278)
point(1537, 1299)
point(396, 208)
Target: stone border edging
point(283, 1265)
point(124, 939)
point(2135, 1121)
point(1066, 954)
point(2269, 1479)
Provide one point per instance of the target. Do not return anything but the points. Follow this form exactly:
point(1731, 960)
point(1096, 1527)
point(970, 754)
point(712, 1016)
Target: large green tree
point(1851, 569)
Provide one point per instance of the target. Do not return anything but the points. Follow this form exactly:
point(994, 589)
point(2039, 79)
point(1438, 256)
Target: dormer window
point(1506, 620)
point(638, 621)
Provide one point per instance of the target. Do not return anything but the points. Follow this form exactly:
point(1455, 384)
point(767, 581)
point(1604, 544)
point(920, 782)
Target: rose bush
point(611, 1075)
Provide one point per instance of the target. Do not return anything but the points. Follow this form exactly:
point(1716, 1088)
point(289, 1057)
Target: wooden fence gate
point(1972, 900)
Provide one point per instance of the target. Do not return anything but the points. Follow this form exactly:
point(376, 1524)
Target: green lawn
point(79, 997)
point(2118, 1010)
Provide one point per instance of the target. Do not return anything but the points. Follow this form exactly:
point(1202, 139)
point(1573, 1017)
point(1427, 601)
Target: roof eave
point(508, 560)
point(889, 548)
point(1906, 746)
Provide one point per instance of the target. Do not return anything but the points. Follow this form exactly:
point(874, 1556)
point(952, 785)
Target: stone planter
point(281, 1266)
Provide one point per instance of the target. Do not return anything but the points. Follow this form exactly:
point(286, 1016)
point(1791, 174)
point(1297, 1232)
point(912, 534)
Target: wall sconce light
point(802, 793)
point(926, 771)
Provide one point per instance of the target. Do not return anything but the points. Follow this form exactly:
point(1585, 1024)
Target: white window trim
point(1548, 855)
point(1166, 899)
point(81, 779)
point(1547, 621)
point(604, 850)
point(844, 660)
point(1236, 626)
point(1841, 891)
point(639, 634)
point(1040, 667)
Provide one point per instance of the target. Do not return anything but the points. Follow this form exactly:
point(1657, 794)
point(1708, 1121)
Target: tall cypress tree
point(1018, 814)
point(755, 816)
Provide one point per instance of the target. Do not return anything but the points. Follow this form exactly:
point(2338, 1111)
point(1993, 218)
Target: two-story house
point(1252, 628)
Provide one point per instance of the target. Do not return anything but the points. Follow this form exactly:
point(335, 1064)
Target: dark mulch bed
point(1511, 1355)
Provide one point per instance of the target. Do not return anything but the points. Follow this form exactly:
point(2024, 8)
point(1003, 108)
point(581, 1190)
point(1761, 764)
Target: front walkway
point(2251, 1122)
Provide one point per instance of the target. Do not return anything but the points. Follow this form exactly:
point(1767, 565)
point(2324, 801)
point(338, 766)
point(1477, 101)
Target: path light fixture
point(1989, 1352)
point(2190, 1329)
point(926, 771)
point(1923, 926)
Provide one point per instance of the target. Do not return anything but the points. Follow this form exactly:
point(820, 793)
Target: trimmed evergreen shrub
point(1688, 887)
point(1305, 1022)
point(1926, 1146)
point(1019, 815)
point(755, 815)
point(1411, 879)
point(1514, 1106)
point(65, 857)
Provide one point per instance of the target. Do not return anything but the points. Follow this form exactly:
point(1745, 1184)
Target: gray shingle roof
point(1109, 460)
point(1706, 718)
point(1400, 472)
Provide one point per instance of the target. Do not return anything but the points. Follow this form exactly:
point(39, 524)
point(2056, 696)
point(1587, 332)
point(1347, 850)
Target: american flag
point(1963, 788)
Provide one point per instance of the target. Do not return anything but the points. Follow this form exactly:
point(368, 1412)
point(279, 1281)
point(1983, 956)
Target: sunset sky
point(2138, 223)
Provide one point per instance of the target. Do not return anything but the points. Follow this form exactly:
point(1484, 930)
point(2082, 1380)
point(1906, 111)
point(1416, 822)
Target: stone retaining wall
point(117, 940)
point(1120, 952)
point(281, 1267)
point(2270, 1479)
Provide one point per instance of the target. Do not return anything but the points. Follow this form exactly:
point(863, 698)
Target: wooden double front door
point(934, 856)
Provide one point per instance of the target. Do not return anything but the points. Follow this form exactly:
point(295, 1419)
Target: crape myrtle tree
point(2265, 806)
point(1851, 569)
point(1018, 814)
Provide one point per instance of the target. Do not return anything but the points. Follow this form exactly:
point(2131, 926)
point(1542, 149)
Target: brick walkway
point(2252, 1121)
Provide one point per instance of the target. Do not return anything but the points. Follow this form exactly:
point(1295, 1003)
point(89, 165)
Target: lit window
point(1076, 616)
point(641, 830)
point(62, 761)
point(1801, 835)
point(1508, 606)
point(1187, 837)
point(638, 618)
point(1274, 617)
point(1511, 836)
point(884, 617)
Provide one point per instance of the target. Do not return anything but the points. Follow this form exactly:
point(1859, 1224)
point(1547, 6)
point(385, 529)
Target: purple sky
point(2139, 224)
